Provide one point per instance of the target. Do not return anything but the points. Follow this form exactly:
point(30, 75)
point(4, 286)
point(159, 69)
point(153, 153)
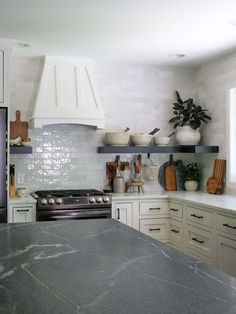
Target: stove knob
point(99, 200)
point(105, 199)
point(51, 201)
point(58, 201)
point(44, 201)
point(92, 200)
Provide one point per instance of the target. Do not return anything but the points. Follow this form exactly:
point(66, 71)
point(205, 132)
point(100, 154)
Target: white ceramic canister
point(119, 185)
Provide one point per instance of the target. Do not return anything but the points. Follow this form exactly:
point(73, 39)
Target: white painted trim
point(230, 186)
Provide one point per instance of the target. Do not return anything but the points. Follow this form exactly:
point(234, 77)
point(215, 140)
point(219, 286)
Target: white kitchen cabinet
point(156, 228)
point(22, 209)
point(176, 234)
point(1, 77)
point(153, 208)
point(199, 216)
point(23, 214)
point(199, 241)
point(226, 255)
point(123, 212)
point(176, 210)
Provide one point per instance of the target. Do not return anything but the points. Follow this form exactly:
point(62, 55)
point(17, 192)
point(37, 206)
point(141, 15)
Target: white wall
point(213, 79)
point(137, 96)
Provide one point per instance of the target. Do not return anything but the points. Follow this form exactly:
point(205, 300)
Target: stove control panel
point(60, 202)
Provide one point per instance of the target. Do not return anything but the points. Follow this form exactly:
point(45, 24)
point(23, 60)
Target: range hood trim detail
point(67, 95)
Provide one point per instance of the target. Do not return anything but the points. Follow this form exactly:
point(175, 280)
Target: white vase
point(185, 135)
point(191, 186)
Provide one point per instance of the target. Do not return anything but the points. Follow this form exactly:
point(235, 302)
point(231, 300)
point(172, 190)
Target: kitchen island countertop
point(103, 266)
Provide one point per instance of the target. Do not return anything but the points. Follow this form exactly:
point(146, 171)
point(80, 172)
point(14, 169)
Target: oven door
point(68, 214)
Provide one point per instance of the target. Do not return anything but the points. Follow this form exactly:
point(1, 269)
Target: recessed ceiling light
point(21, 45)
point(232, 23)
point(176, 55)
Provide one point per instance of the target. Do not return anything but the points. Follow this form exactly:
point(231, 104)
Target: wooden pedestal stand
point(132, 185)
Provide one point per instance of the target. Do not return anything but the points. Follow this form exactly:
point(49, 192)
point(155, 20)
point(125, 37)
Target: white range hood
point(67, 95)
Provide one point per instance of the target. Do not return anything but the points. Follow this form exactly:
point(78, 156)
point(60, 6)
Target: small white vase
point(191, 186)
point(185, 135)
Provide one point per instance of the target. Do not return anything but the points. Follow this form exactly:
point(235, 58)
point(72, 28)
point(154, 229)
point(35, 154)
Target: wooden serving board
point(170, 175)
point(18, 128)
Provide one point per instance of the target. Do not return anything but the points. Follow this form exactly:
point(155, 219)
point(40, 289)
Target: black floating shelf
point(20, 150)
point(158, 149)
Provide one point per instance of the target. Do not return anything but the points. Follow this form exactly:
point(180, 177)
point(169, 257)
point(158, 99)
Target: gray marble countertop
point(103, 266)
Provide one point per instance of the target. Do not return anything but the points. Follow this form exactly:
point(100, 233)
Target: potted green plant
point(192, 175)
point(188, 118)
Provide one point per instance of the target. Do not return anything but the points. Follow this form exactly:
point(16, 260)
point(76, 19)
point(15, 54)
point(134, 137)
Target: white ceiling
point(122, 30)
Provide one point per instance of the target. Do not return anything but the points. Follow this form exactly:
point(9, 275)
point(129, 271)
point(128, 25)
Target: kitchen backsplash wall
point(65, 156)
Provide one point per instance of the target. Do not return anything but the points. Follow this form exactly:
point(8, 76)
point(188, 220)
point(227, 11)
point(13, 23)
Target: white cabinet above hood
point(67, 94)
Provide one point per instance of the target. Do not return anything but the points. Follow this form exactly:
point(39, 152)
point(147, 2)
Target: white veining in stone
point(182, 286)
point(58, 295)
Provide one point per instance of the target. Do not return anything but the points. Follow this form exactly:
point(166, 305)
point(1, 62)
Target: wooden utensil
point(19, 128)
point(154, 131)
point(171, 134)
point(170, 175)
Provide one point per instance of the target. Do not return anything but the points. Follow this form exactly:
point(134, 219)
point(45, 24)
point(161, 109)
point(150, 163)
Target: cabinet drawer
point(226, 224)
point(199, 241)
point(176, 232)
point(199, 216)
point(156, 228)
point(176, 210)
point(23, 214)
point(153, 208)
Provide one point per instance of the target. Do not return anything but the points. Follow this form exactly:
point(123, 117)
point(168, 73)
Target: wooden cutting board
point(170, 175)
point(215, 184)
point(18, 128)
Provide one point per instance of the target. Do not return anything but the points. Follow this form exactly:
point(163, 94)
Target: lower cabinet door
point(176, 233)
point(23, 214)
point(226, 255)
point(156, 228)
point(199, 241)
point(124, 213)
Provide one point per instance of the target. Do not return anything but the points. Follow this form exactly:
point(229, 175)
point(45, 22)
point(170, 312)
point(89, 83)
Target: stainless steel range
point(72, 204)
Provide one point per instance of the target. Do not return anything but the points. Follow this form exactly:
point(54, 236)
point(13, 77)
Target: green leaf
point(178, 97)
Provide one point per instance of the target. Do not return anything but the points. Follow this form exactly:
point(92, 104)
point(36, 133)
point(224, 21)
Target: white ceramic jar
point(185, 135)
point(191, 186)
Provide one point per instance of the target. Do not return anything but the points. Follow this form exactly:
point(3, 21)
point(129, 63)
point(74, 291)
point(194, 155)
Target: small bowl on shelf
point(161, 140)
point(26, 143)
point(141, 139)
point(15, 141)
point(117, 138)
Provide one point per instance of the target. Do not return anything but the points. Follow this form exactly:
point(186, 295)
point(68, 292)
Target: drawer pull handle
point(174, 209)
point(118, 213)
point(228, 226)
point(154, 229)
point(22, 210)
point(196, 216)
point(154, 208)
point(175, 231)
point(198, 241)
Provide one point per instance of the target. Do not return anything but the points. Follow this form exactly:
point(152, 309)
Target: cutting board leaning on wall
point(19, 128)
